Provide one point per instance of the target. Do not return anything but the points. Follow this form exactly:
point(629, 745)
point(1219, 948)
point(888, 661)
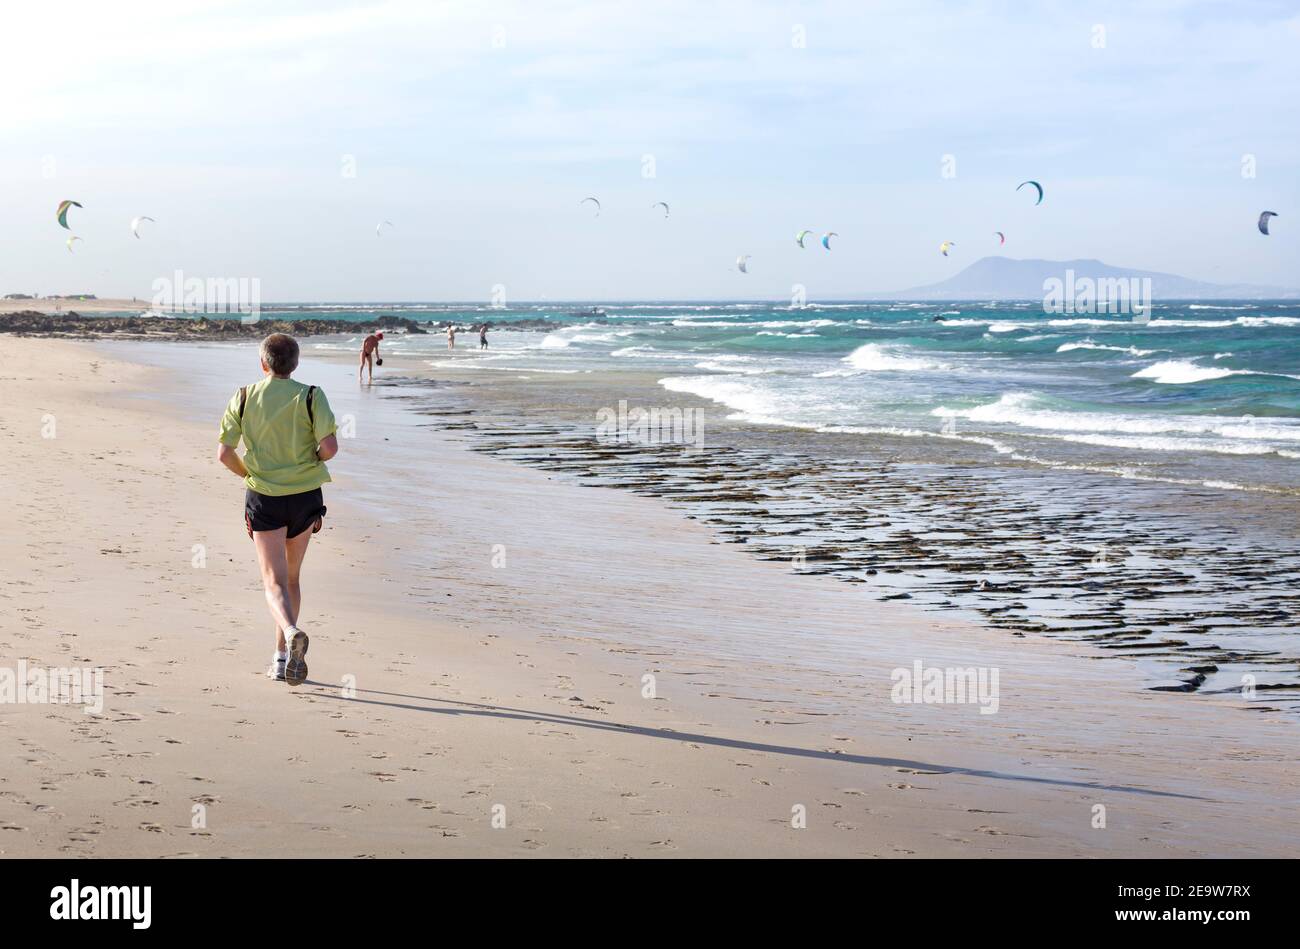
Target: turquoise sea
point(1203, 393)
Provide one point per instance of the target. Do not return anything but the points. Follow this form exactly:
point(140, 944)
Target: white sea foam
point(763, 405)
point(1181, 372)
point(752, 403)
point(1089, 344)
point(751, 324)
point(1167, 443)
point(872, 357)
point(743, 365)
point(478, 364)
point(649, 352)
point(1022, 410)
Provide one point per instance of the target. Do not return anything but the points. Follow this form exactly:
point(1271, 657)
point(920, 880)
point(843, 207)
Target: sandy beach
point(505, 663)
point(51, 306)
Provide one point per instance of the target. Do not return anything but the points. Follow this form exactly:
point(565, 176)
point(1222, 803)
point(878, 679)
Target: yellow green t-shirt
point(279, 441)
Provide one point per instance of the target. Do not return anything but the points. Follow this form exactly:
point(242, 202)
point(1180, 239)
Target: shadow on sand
point(453, 707)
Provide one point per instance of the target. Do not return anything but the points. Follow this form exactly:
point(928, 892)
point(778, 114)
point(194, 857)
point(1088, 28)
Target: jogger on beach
point(288, 431)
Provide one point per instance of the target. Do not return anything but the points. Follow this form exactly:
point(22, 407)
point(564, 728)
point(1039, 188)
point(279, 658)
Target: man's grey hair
point(280, 353)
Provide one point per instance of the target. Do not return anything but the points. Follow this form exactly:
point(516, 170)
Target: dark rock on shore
point(32, 323)
point(77, 325)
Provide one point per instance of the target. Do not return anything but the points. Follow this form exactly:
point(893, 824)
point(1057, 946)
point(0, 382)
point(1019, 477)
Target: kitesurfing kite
point(800, 236)
point(1263, 221)
point(660, 204)
point(1036, 185)
point(63, 211)
point(70, 240)
point(826, 239)
point(379, 227)
point(742, 263)
point(1002, 238)
point(593, 201)
point(943, 248)
point(135, 224)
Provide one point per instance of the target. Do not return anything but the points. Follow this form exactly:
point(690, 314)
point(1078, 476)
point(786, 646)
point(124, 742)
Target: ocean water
point(1203, 393)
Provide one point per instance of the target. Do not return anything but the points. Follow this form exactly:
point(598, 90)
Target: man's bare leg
point(273, 559)
point(295, 549)
point(273, 556)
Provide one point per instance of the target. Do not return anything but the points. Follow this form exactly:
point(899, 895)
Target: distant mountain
point(1002, 278)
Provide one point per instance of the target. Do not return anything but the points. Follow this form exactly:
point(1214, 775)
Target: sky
point(268, 140)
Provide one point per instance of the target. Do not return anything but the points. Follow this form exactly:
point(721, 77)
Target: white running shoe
point(276, 671)
point(295, 670)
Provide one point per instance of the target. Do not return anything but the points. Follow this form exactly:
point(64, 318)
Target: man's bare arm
point(230, 458)
point(329, 447)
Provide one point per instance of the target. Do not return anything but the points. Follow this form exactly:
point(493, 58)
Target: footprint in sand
point(136, 802)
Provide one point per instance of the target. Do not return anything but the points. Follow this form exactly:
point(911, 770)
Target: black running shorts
point(297, 512)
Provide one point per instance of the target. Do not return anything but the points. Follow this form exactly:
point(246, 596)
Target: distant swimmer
point(451, 336)
point(369, 353)
point(482, 337)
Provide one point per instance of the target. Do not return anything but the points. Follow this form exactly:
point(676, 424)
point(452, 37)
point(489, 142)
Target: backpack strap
point(311, 416)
